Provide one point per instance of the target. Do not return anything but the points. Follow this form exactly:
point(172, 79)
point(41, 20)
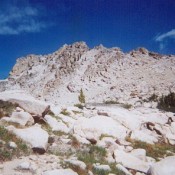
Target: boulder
point(35, 136)
point(24, 166)
point(60, 172)
point(94, 127)
point(97, 166)
point(25, 101)
point(12, 145)
point(77, 163)
point(21, 118)
point(18, 109)
point(123, 169)
point(164, 167)
point(138, 173)
point(139, 153)
point(130, 161)
point(144, 136)
point(55, 125)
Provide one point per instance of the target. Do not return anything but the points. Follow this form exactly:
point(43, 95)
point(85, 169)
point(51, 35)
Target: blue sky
point(42, 26)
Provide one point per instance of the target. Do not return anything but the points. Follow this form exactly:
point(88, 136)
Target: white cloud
point(163, 39)
point(168, 35)
point(16, 20)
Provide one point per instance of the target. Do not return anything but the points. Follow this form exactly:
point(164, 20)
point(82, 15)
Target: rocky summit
point(82, 111)
point(103, 74)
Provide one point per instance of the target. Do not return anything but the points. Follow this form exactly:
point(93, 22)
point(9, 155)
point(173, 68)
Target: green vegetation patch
point(97, 154)
point(123, 105)
point(94, 155)
point(111, 102)
point(7, 153)
point(100, 171)
point(156, 151)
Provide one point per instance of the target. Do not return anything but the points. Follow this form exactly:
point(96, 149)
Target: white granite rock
point(12, 145)
point(18, 109)
point(139, 153)
point(55, 125)
point(102, 167)
point(24, 166)
point(21, 118)
point(123, 169)
point(60, 172)
point(35, 136)
point(164, 167)
point(145, 136)
point(130, 161)
point(77, 163)
point(94, 127)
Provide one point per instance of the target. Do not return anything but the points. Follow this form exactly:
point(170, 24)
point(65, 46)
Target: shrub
point(167, 102)
point(65, 112)
point(111, 102)
point(126, 106)
point(81, 97)
point(153, 97)
point(79, 106)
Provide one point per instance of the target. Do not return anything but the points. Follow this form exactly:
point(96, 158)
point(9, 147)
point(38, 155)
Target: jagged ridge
point(103, 74)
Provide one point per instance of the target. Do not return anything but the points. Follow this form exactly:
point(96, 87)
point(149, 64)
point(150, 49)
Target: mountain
point(104, 74)
point(126, 126)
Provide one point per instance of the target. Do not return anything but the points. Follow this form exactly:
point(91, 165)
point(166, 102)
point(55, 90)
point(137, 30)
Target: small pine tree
point(81, 97)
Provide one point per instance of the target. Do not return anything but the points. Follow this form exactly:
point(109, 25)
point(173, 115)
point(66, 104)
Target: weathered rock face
point(103, 74)
point(164, 167)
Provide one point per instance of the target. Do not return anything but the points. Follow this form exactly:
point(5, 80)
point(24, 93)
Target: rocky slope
point(94, 140)
point(103, 74)
point(43, 133)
